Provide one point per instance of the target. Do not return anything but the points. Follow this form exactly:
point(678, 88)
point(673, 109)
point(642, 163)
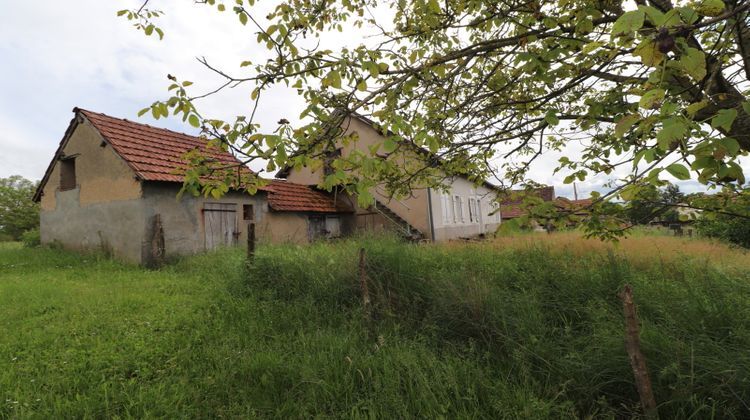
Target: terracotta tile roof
point(286, 196)
point(511, 207)
point(155, 154)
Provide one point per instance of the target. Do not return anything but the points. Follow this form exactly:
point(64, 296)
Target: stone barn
point(113, 184)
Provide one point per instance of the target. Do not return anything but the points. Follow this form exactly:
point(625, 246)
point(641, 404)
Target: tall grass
point(545, 320)
point(493, 330)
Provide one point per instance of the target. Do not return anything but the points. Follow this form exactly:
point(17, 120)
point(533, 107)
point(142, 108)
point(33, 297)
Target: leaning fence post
point(363, 284)
point(157, 242)
point(637, 360)
point(250, 242)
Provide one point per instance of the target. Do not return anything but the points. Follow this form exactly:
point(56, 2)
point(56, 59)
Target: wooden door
point(220, 224)
point(333, 227)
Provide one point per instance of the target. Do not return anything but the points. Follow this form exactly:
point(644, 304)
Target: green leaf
point(693, 61)
point(628, 23)
point(333, 78)
point(678, 171)
point(591, 46)
point(654, 15)
point(143, 111)
point(243, 18)
point(649, 53)
point(673, 129)
point(732, 145)
point(122, 12)
point(710, 7)
point(362, 86)
point(194, 120)
point(724, 119)
point(389, 145)
point(551, 117)
point(746, 107)
point(695, 107)
point(652, 98)
point(624, 124)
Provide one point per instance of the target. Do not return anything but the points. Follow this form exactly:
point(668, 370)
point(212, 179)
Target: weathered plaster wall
point(103, 211)
point(102, 176)
point(276, 227)
point(182, 220)
point(115, 227)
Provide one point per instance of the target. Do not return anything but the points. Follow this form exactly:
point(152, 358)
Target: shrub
point(732, 229)
point(31, 238)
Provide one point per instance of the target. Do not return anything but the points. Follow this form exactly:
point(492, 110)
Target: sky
point(62, 54)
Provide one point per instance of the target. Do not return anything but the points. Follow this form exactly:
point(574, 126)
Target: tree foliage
point(652, 204)
point(731, 224)
point(18, 212)
point(656, 87)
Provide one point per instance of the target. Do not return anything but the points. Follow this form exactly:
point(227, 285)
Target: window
point(248, 212)
point(458, 209)
point(447, 209)
point(472, 210)
point(67, 173)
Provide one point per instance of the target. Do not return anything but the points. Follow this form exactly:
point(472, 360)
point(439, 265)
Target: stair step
point(411, 232)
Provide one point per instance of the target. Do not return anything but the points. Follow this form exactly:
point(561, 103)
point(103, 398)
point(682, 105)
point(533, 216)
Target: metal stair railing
point(408, 229)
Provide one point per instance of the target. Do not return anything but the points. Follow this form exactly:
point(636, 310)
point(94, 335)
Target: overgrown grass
point(530, 328)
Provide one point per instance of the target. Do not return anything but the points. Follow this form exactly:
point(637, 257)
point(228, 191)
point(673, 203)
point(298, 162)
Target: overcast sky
point(57, 55)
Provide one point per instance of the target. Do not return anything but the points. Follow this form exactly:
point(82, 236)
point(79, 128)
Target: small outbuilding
point(113, 185)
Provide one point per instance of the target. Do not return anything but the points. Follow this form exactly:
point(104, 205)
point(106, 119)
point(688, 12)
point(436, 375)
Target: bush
point(732, 229)
point(31, 238)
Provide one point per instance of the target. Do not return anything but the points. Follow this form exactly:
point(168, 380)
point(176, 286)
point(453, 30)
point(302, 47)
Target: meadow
point(526, 326)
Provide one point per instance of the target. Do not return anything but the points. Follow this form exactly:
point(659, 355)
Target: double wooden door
point(220, 224)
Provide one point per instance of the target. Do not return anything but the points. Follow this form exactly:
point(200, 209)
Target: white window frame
point(458, 209)
point(472, 210)
point(447, 205)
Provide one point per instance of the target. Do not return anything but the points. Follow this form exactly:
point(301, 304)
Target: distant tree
point(731, 220)
point(652, 203)
point(18, 212)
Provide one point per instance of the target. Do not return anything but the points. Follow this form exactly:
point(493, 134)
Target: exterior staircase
point(403, 227)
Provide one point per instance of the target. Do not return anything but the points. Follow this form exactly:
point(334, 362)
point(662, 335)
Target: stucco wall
point(115, 227)
point(103, 211)
point(182, 220)
point(102, 176)
point(283, 228)
point(413, 209)
point(488, 223)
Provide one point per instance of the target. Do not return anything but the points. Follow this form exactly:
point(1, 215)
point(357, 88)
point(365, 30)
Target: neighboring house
point(464, 211)
point(511, 204)
point(113, 182)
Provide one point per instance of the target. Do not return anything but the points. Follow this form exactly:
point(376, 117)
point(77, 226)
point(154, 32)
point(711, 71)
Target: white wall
point(448, 220)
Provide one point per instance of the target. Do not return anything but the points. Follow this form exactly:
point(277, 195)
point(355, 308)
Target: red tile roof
point(511, 207)
point(155, 154)
point(287, 196)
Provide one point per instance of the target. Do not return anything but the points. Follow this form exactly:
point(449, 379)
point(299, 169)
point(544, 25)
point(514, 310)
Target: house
point(113, 182)
point(460, 210)
point(511, 202)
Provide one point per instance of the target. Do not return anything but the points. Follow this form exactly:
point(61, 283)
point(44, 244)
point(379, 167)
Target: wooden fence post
point(157, 242)
point(250, 242)
point(637, 360)
point(363, 284)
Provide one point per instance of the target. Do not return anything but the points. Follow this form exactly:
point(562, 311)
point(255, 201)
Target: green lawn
point(457, 331)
